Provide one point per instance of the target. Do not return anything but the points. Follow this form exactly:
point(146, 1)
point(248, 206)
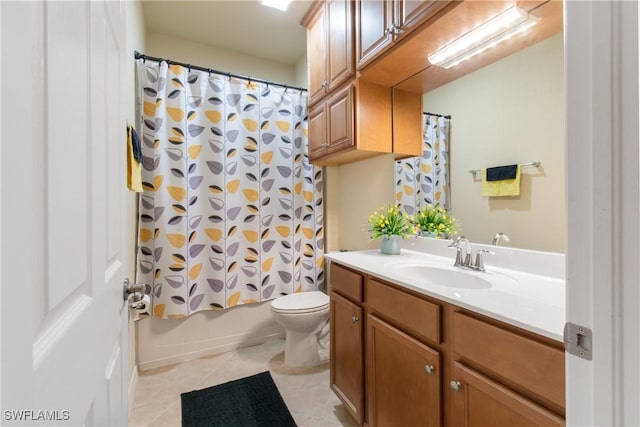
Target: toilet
point(305, 318)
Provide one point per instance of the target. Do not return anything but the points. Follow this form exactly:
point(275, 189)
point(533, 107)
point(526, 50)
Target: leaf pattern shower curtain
point(232, 210)
point(421, 181)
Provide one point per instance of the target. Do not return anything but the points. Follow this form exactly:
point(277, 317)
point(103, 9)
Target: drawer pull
point(354, 319)
point(429, 369)
point(455, 385)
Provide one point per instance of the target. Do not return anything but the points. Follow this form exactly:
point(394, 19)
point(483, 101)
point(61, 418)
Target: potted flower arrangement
point(434, 221)
point(392, 224)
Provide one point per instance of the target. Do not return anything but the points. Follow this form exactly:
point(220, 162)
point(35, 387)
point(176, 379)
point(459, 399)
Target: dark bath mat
point(251, 401)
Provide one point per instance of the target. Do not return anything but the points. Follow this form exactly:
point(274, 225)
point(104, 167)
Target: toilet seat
point(303, 302)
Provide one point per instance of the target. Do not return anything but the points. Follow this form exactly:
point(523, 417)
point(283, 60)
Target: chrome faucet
point(465, 258)
point(498, 237)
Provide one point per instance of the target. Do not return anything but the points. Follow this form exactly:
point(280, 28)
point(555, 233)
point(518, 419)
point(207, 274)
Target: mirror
point(508, 112)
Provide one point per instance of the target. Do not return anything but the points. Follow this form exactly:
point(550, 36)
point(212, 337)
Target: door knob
point(129, 288)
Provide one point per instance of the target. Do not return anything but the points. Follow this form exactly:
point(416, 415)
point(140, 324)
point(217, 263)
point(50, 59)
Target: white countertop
point(529, 301)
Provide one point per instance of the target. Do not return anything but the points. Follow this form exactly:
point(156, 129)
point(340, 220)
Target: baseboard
point(133, 383)
point(229, 344)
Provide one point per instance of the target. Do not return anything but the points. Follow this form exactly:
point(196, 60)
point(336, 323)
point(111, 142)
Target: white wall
point(509, 112)
point(162, 341)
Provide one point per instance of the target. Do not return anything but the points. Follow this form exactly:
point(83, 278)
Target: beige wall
point(301, 72)
point(353, 191)
point(509, 112)
point(190, 52)
point(160, 341)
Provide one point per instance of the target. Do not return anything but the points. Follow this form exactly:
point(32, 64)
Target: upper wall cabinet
point(330, 45)
point(381, 23)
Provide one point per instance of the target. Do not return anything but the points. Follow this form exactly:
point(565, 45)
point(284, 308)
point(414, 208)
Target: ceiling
point(243, 26)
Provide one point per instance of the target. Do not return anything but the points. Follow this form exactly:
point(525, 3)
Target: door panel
point(347, 369)
point(373, 25)
point(63, 318)
point(403, 378)
point(482, 402)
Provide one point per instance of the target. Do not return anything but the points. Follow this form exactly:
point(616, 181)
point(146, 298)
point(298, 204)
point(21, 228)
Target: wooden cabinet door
point(403, 378)
point(317, 131)
point(374, 20)
point(347, 364)
point(478, 401)
point(340, 62)
point(340, 120)
point(317, 56)
point(411, 13)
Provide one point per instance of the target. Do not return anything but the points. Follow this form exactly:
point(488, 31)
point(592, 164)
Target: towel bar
point(533, 164)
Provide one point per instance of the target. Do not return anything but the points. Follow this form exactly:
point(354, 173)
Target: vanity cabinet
point(347, 340)
point(330, 47)
point(379, 24)
point(428, 362)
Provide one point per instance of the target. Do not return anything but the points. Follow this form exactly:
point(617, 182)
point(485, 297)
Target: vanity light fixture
point(277, 4)
point(498, 29)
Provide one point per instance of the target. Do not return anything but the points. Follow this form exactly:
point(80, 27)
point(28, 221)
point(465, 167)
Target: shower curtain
point(421, 181)
point(232, 212)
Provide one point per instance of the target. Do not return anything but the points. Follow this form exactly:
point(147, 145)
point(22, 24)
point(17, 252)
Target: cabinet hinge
point(578, 340)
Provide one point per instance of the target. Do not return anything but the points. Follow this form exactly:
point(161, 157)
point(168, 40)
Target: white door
point(603, 255)
point(64, 354)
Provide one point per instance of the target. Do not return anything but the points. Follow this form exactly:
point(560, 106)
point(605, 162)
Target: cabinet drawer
point(346, 282)
point(408, 312)
point(531, 365)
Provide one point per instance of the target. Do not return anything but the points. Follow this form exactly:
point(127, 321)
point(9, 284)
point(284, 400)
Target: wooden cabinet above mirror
point(406, 65)
point(380, 24)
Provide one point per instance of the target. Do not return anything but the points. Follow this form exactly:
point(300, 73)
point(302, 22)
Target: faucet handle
point(479, 262)
point(455, 242)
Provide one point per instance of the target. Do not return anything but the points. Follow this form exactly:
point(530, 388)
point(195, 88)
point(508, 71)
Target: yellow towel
point(134, 169)
point(505, 187)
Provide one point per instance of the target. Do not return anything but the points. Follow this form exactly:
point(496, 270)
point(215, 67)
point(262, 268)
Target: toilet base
point(304, 350)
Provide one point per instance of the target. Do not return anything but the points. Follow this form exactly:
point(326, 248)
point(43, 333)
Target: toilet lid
point(301, 301)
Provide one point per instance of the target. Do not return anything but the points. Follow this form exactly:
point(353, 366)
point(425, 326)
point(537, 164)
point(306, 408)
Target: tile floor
point(305, 391)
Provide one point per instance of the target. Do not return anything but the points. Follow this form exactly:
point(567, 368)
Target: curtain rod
point(144, 57)
point(448, 116)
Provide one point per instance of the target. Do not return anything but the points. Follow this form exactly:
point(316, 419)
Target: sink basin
point(448, 276)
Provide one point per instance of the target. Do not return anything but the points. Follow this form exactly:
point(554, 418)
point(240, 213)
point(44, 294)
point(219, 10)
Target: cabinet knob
point(455, 385)
point(395, 30)
point(354, 319)
point(429, 369)
point(325, 85)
